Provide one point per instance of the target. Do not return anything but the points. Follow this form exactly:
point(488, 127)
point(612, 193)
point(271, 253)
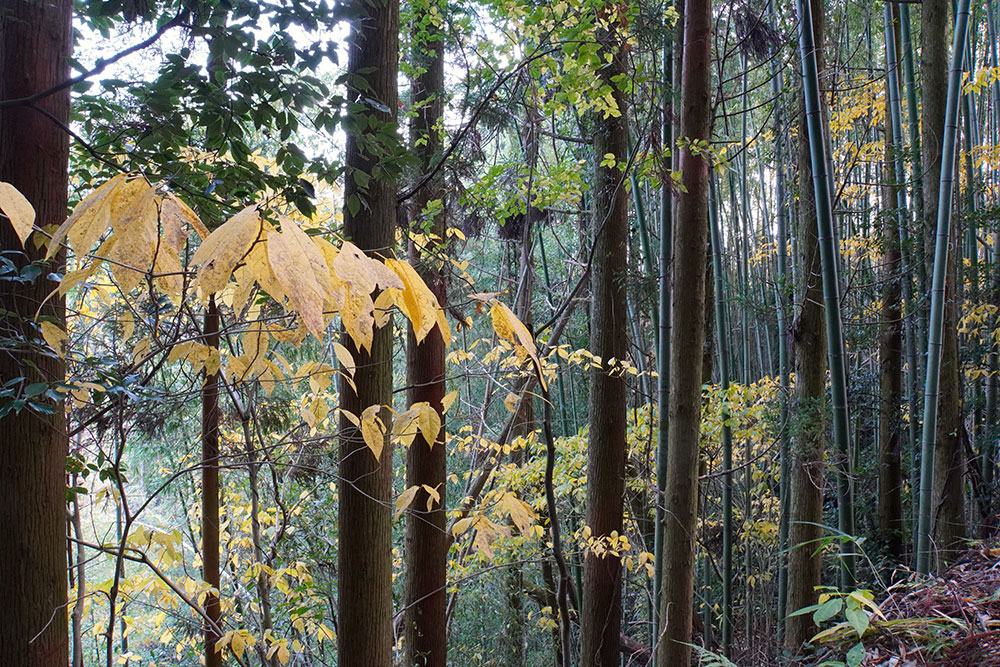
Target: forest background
point(492, 332)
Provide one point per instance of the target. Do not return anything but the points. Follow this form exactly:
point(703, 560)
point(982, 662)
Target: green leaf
point(35, 389)
point(361, 178)
point(828, 610)
point(856, 655)
point(858, 619)
point(353, 204)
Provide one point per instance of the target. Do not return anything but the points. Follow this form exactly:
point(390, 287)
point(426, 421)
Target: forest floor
point(950, 620)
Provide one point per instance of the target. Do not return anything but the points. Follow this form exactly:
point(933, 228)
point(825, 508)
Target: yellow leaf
point(255, 343)
point(405, 500)
point(89, 220)
point(358, 317)
point(345, 358)
point(73, 278)
point(372, 430)
point(301, 270)
point(508, 327)
point(511, 401)
point(259, 266)
point(355, 276)
point(219, 254)
point(520, 512)
point(383, 305)
point(429, 422)
point(433, 496)
point(128, 325)
point(448, 399)
point(169, 273)
point(417, 302)
point(445, 329)
point(237, 644)
point(363, 273)
point(55, 337)
point(141, 349)
point(461, 526)
point(318, 374)
point(133, 218)
point(422, 418)
point(18, 209)
point(174, 214)
point(315, 412)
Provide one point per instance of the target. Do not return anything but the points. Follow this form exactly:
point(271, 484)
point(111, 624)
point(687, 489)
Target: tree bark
point(688, 307)
point(807, 469)
point(949, 452)
point(210, 490)
point(364, 599)
point(890, 476)
point(942, 458)
point(600, 619)
point(35, 43)
point(426, 629)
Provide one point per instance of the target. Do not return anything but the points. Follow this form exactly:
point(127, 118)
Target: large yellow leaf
point(357, 313)
point(259, 265)
point(520, 512)
point(448, 399)
point(429, 422)
point(422, 418)
point(174, 215)
point(511, 329)
point(363, 273)
point(405, 500)
point(314, 412)
point(219, 254)
point(301, 270)
point(416, 300)
point(168, 269)
point(433, 495)
point(255, 343)
point(372, 430)
point(133, 218)
point(89, 220)
point(55, 337)
point(18, 209)
point(345, 358)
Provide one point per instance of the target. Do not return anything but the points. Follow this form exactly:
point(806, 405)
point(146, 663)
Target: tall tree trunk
point(365, 556)
point(890, 479)
point(934, 15)
point(210, 489)
point(35, 43)
point(600, 620)
point(425, 633)
point(809, 433)
point(941, 492)
point(811, 50)
point(948, 519)
point(688, 306)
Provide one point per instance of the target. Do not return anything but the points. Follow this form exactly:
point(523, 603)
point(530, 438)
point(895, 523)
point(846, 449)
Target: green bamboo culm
point(831, 286)
point(936, 324)
point(781, 290)
point(722, 337)
point(663, 324)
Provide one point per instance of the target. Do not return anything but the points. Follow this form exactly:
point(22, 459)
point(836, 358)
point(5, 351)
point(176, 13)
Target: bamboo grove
point(493, 332)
